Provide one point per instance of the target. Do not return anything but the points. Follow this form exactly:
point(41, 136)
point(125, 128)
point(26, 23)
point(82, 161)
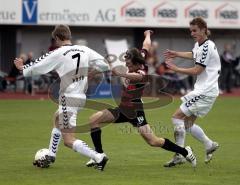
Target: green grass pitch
point(25, 127)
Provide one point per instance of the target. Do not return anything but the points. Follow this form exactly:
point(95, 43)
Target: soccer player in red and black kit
point(131, 106)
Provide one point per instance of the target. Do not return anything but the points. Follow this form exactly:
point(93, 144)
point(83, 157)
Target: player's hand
point(148, 32)
point(19, 63)
point(170, 54)
point(171, 65)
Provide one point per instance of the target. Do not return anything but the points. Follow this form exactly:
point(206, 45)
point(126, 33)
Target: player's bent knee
point(188, 125)
point(95, 118)
point(178, 114)
point(189, 121)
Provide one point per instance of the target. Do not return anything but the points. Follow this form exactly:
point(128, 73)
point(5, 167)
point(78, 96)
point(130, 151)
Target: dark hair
point(199, 21)
point(135, 56)
point(62, 32)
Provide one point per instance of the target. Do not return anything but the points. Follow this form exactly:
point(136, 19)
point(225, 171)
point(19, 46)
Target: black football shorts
point(136, 118)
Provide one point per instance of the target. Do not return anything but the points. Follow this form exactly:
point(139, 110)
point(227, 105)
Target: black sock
point(96, 139)
point(170, 146)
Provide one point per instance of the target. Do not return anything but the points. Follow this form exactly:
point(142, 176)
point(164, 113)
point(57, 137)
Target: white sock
point(81, 147)
point(179, 131)
point(55, 139)
point(199, 134)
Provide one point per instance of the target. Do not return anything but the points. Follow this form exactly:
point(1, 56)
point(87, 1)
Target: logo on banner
point(226, 12)
point(196, 10)
point(29, 11)
point(133, 11)
point(165, 12)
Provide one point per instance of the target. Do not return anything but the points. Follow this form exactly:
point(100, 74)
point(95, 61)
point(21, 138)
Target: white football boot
point(210, 151)
point(176, 160)
point(92, 162)
point(191, 157)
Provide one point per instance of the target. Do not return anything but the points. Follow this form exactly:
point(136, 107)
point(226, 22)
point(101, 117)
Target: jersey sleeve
point(44, 64)
point(204, 55)
point(97, 61)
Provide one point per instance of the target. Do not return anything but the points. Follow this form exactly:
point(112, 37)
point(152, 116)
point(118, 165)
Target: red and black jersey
point(132, 91)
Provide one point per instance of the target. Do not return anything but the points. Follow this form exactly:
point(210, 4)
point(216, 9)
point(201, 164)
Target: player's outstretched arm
point(147, 41)
point(44, 64)
point(196, 70)
point(173, 54)
point(136, 77)
point(19, 63)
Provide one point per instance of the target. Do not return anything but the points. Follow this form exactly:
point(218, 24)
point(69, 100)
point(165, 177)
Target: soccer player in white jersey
point(71, 62)
point(198, 102)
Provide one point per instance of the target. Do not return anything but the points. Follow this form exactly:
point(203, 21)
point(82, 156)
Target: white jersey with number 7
point(72, 63)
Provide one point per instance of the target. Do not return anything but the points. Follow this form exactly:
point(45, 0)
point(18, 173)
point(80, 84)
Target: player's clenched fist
point(148, 32)
point(18, 63)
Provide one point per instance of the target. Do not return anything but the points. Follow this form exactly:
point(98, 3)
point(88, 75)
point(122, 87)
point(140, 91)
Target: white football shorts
point(68, 109)
point(196, 104)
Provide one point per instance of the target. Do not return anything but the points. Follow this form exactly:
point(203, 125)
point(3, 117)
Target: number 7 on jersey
point(78, 56)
